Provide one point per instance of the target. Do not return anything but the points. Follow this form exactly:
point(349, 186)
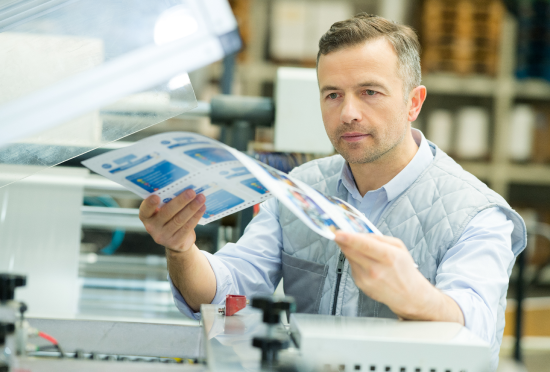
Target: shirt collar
point(404, 179)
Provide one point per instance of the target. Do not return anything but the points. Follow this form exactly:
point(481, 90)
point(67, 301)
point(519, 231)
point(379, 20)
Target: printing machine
point(252, 339)
point(78, 75)
point(93, 71)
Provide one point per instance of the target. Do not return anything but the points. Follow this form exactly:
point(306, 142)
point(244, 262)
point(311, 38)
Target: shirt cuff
point(477, 316)
point(224, 285)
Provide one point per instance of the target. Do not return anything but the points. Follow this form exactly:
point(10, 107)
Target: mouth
point(354, 136)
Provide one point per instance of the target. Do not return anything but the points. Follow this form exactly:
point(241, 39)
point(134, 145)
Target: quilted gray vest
point(429, 217)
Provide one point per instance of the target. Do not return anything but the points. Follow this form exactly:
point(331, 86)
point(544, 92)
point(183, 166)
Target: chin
point(353, 157)
point(359, 157)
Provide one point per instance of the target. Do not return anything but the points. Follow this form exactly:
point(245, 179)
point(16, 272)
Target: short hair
point(364, 27)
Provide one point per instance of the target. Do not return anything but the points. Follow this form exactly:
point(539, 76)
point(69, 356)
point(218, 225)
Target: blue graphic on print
point(186, 141)
point(185, 188)
point(219, 202)
point(158, 176)
point(202, 189)
point(130, 164)
point(210, 155)
point(125, 159)
point(255, 185)
point(197, 191)
point(240, 171)
point(106, 166)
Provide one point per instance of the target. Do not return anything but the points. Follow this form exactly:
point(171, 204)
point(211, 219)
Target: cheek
point(395, 119)
point(330, 117)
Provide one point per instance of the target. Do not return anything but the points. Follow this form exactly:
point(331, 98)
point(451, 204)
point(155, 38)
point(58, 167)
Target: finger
point(190, 225)
point(361, 263)
point(396, 242)
point(363, 274)
point(174, 206)
point(357, 245)
point(182, 217)
point(148, 207)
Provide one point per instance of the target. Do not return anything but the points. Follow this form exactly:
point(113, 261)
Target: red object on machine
point(234, 303)
point(47, 337)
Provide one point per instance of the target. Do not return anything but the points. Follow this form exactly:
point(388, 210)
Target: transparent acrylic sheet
point(71, 70)
point(133, 113)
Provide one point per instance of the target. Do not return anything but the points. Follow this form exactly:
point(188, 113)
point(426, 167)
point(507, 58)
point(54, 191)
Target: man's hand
point(384, 270)
point(173, 225)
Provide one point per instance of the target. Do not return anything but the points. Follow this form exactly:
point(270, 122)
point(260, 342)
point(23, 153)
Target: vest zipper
point(339, 270)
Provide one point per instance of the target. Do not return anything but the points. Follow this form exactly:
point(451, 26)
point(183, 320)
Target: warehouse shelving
point(503, 90)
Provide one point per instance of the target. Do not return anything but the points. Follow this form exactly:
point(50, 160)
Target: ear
point(416, 100)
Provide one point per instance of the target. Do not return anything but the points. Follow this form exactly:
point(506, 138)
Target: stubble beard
point(358, 153)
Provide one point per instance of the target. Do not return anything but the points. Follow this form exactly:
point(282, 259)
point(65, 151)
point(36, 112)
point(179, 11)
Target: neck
point(372, 176)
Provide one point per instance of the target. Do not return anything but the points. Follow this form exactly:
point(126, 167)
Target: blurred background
point(486, 65)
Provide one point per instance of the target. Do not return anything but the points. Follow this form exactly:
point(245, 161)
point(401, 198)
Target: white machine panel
point(298, 121)
point(40, 236)
point(388, 345)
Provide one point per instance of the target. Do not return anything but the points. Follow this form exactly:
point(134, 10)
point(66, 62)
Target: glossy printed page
point(322, 214)
point(168, 164)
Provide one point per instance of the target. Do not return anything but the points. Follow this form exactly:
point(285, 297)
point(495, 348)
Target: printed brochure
point(169, 163)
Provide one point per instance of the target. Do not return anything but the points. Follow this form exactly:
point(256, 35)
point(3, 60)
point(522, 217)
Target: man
point(463, 236)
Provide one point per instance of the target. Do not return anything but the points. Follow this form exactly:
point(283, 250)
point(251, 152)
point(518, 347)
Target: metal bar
point(108, 218)
point(520, 295)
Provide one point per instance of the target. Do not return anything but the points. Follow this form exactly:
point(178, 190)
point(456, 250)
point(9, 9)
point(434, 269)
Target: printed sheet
point(168, 164)
point(322, 214)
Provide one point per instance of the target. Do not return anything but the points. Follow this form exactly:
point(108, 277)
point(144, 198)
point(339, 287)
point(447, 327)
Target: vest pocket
point(304, 280)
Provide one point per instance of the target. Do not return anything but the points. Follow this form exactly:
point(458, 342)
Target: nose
point(350, 110)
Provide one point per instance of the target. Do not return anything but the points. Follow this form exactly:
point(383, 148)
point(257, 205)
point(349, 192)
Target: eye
point(370, 92)
point(333, 95)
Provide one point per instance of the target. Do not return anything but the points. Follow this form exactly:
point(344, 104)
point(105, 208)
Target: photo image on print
point(358, 225)
point(315, 213)
point(342, 204)
point(279, 176)
point(350, 214)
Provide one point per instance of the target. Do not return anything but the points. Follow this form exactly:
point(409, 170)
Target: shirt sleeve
point(250, 266)
point(475, 272)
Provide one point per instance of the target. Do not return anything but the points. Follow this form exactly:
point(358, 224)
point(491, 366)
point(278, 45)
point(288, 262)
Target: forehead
point(374, 59)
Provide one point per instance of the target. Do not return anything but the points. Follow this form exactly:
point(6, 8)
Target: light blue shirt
point(473, 272)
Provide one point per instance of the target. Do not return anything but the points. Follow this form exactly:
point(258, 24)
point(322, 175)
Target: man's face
point(362, 103)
